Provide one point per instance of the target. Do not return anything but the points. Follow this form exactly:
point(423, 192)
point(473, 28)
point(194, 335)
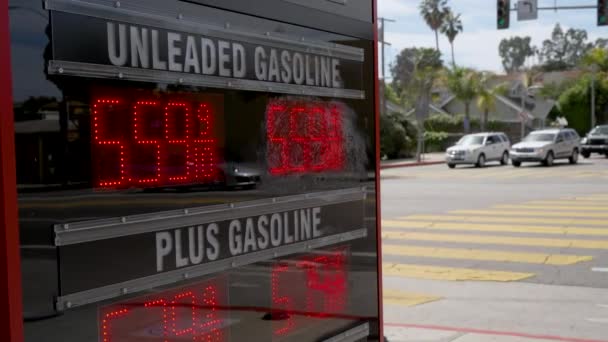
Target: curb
point(393, 166)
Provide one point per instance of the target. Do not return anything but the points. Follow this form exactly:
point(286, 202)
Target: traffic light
point(602, 12)
point(503, 11)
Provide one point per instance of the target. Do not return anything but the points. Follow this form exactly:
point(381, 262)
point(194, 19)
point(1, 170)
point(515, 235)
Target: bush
point(435, 141)
point(397, 137)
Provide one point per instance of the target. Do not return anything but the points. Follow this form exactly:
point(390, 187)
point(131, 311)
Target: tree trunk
point(484, 120)
point(467, 117)
point(437, 39)
point(453, 59)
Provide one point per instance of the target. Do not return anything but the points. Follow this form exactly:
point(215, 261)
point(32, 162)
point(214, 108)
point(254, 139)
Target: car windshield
point(470, 140)
point(602, 130)
point(540, 137)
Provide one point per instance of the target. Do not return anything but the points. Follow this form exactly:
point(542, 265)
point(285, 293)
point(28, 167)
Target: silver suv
point(477, 149)
point(546, 146)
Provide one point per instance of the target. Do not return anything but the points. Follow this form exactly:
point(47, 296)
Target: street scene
point(496, 254)
point(494, 141)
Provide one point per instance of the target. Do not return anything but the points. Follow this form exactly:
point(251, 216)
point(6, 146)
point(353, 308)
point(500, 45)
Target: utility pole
point(384, 43)
point(594, 69)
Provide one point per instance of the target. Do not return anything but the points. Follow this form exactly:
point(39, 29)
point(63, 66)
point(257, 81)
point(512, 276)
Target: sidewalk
point(428, 159)
point(395, 333)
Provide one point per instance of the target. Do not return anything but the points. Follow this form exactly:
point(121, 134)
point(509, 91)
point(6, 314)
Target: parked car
point(596, 141)
point(477, 149)
point(240, 175)
point(546, 146)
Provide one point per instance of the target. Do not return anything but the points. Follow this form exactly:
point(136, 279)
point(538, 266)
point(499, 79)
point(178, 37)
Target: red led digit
point(304, 137)
point(106, 323)
point(205, 151)
point(101, 110)
point(186, 300)
point(177, 137)
point(280, 300)
point(211, 326)
point(326, 282)
point(140, 127)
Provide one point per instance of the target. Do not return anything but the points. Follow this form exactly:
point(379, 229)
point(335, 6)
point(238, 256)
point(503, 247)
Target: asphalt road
point(496, 253)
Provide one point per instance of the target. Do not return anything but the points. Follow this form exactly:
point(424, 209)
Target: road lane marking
point(568, 203)
point(450, 273)
point(600, 269)
point(597, 320)
point(529, 213)
point(498, 240)
point(551, 207)
point(484, 255)
point(507, 228)
point(407, 299)
point(492, 219)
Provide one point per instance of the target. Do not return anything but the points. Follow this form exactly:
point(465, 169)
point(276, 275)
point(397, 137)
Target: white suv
point(477, 149)
point(546, 146)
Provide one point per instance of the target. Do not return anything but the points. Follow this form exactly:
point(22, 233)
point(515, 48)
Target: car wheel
point(451, 166)
point(516, 163)
point(481, 160)
point(587, 155)
point(549, 160)
point(505, 158)
point(574, 157)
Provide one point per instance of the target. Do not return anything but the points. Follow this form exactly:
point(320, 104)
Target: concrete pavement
point(496, 254)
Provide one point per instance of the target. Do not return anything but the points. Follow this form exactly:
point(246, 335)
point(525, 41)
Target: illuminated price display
point(304, 136)
point(188, 314)
point(147, 140)
point(314, 286)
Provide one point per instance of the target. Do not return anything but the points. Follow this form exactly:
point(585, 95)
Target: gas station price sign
point(140, 139)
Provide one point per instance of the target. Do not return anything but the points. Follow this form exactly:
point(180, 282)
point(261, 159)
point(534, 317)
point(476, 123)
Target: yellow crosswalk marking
point(530, 213)
point(552, 207)
point(450, 273)
point(498, 240)
point(403, 298)
point(569, 203)
point(564, 222)
point(485, 255)
point(495, 228)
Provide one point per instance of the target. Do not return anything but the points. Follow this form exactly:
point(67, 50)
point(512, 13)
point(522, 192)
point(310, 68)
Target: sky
point(477, 46)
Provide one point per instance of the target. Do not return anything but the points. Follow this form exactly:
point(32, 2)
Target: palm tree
point(486, 97)
point(451, 27)
point(464, 85)
point(433, 12)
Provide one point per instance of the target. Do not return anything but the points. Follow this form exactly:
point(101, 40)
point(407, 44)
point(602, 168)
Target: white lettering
point(208, 56)
point(325, 72)
point(305, 224)
point(157, 63)
point(239, 64)
point(273, 69)
point(224, 58)
point(164, 247)
point(213, 251)
point(263, 230)
point(120, 58)
point(316, 222)
point(235, 238)
point(196, 243)
point(261, 68)
point(298, 68)
point(180, 260)
point(288, 238)
point(285, 67)
point(250, 236)
point(336, 81)
point(174, 51)
point(191, 62)
point(276, 230)
point(310, 80)
point(140, 47)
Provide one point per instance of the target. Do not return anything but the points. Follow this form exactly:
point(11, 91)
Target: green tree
point(486, 97)
point(463, 83)
point(564, 50)
point(451, 27)
point(514, 51)
point(434, 12)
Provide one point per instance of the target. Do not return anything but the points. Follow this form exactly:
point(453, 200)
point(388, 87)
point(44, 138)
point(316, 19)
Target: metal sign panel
point(184, 245)
point(124, 44)
point(527, 10)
